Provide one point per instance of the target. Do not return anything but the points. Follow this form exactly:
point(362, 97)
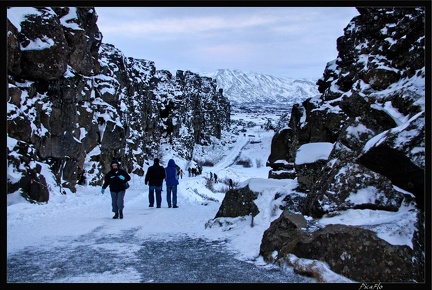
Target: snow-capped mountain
point(250, 88)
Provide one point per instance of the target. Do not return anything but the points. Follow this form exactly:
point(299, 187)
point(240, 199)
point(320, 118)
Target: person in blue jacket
point(172, 171)
point(116, 178)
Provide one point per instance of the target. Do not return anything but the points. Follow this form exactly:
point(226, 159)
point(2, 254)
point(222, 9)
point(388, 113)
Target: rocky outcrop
point(372, 110)
point(75, 103)
point(238, 202)
point(356, 253)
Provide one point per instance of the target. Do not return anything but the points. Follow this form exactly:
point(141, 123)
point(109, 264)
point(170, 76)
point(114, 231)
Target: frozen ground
point(88, 258)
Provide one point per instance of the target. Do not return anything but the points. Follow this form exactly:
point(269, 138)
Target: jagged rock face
point(13, 50)
point(45, 92)
point(83, 43)
point(351, 113)
point(49, 63)
point(372, 108)
point(401, 162)
point(90, 104)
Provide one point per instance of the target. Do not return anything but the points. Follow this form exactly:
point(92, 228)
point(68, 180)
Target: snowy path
point(242, 141)
point(149, 243)
point(193, 189)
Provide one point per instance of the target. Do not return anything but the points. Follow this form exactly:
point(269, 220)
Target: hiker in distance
point(172, 173)
point(154, 178)
point(116, 179)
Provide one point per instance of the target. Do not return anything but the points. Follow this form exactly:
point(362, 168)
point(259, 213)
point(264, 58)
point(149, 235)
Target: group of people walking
point(117, 178)
point(154, 178)
point(214, 177)
point(195, 171)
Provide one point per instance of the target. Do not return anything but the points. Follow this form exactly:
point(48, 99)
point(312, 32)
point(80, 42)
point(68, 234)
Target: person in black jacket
point(154, 178)
point(116, 178)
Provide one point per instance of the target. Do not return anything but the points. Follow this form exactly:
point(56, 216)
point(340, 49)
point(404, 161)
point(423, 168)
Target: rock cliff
point(372, 110)
point(371, 113)
point(74, 103)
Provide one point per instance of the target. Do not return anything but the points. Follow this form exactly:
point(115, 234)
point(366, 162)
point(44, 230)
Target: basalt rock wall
point(372, 110)
point(75, 103)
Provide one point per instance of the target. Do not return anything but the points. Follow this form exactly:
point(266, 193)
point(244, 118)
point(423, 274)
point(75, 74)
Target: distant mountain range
point(248, 88)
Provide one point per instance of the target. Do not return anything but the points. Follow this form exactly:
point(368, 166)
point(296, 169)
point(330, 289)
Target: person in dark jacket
point(116, 179)
point(172, 172)
point(154, 178)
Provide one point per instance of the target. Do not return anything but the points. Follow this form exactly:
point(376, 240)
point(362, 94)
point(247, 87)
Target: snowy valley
point(329, 174)
point(121, 251)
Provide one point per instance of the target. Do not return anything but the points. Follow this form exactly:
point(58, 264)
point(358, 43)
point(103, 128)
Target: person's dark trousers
point(152, 190)
point(158, 196)
point(151, 195)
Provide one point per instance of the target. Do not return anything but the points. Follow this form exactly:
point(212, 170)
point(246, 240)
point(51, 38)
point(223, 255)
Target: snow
point(16, 15)
point(39, 44)
point(381, 137)
point(67, 20)
point(67, 217)
point(311, 152)
point(378, 220)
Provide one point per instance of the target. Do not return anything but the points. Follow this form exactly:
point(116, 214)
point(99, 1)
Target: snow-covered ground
point(85, 218)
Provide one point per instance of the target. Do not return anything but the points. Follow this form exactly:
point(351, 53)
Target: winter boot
point(115, 216)
point(121, 214)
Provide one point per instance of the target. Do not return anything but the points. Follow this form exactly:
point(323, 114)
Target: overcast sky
point(281, 41)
